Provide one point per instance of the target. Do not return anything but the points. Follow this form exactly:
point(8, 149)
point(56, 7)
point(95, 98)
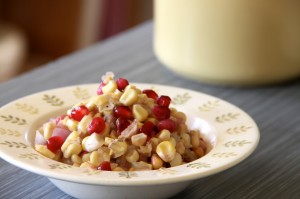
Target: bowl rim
point(205, 166)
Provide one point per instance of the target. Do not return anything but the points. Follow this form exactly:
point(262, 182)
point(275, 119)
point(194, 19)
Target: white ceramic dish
point(232, 133)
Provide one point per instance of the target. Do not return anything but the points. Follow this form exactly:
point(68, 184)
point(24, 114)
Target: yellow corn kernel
point(73, 148)
point(90, 105)
point(145, 150)
point(95, 158)
point(76, 159)
point(139, 112)
point(153, 120)
point(180, 148)
point(140, 166)
point(92, 142)
point(48, 129)
point(86, 165)
point(83, 143)
point(105, 153)
point(195, 139)
point(132, 156)
point(118, 148)
point(44, 151)
point(86, 157)
point(129, 97)
point(177, 160)
point(116, 94)
point(173, 141)
point(166, 151)
point(84, 123)
point(181, 116)
point(100, 100)
point(73, 137)
point(164, 135)
point(110, 87)
point(72, 124)
point(118, 169)
point(139, 139)
point(156, 161)
point(154, 142)
point(108, 141)
point(186, 139)
point(199, 152)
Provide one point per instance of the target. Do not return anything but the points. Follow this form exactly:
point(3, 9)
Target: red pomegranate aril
point(122, 111)
point(54, 143)
point(168, 124)
point(99, 90)
point(163, 100)
point(122, 123)
point(161, 112)
point(147, 128)
point(97, 125)
point(79, 112)
point(151, 94)
point(105, 166)
point(122, 83)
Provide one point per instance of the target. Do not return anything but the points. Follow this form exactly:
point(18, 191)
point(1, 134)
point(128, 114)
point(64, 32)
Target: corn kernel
point(72, 124)
point(139, 112)
point(84, 123)
point(180, 148)
point(76, 159)
point(86, 157)
point(195, 139)
point(154, 142)
point(199, 152)
point(93, 142)
point(48, 129)
point(95, 158)
point(177, 160)
point(86, 165)
point(110, 87)
point(118, 169)
point(139, 166)
point(173, 141)
point(166, 151)
point(118, 148)
point(129, 97)
point(73, 148)
point(44, 151)
point(139, 139)
point(132, 156)
point(164, 135)
point(100, 100)
point(108, 141)
point(186, 139)
point(156, 161)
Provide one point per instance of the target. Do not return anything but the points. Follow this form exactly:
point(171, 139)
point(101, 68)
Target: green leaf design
point(10, 132)
point(209, 105)
point(181, 99)
point(227, 117)
point(31, 156)
point(166, 171)
point(59, 166)
point(27, 108)
point(53, 100)
point(14, 120)
point(127, 174)
point(198, 165)
point(224, 155)
point(81, 94)
point(236, 143)
point(14, 144)
point(238, 130)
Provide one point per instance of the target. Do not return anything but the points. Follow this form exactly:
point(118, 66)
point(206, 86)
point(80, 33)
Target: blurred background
point(34, 32)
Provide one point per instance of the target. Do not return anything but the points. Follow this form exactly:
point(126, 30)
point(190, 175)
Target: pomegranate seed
point(122, 83)
point(79, 112)
point(147, 128)
point(161, 112)
point(54, 143)
point(60, 118)
point(163, 100)
point(168, 124)
point(151, 94)
point(97, 125)
point(99, 90)
point(105, 166)
point(123, 111)
point(122, 123)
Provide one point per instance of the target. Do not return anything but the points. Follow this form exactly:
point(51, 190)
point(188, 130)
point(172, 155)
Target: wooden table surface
point(272, 171)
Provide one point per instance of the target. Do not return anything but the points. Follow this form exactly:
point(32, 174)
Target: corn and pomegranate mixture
point(122, 128)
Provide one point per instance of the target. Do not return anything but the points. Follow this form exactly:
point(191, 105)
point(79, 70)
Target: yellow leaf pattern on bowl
point(53, 100)
point(10, 132)
point(14, 120)
point(81, 93)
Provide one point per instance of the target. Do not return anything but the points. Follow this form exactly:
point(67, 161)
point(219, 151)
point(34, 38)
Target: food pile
point(122, 128)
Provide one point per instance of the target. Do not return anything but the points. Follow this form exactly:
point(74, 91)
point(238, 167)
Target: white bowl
point(232, 133)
